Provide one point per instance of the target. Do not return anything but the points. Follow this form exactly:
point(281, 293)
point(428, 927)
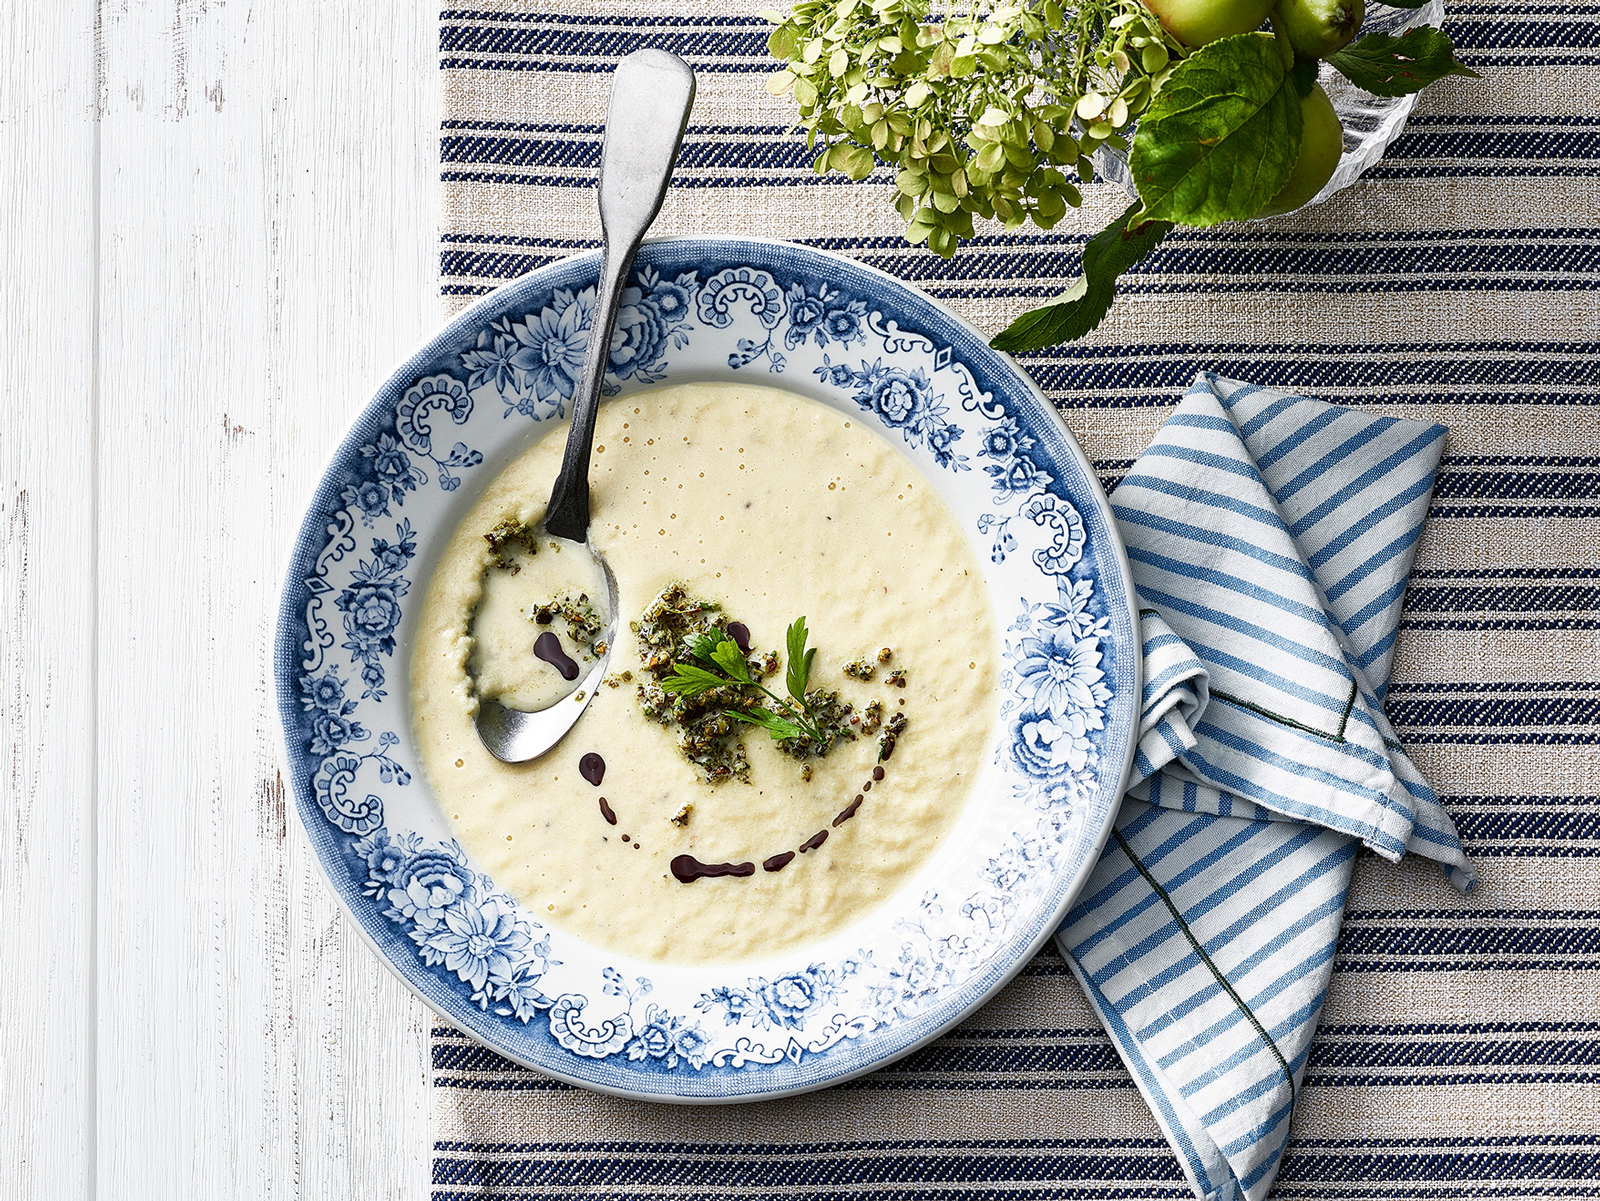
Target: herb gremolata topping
point(699, 680)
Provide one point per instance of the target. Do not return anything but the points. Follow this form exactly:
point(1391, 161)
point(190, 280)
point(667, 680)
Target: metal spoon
point(651, 94)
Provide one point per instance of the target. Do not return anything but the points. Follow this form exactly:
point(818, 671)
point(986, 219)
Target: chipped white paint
point(218, 235)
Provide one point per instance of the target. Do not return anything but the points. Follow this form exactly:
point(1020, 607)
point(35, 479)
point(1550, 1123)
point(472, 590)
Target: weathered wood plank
point(267, 252)
point(47, 305)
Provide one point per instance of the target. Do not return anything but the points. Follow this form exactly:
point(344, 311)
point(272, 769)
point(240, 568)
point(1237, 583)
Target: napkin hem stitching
point(1206, 959)
point(1344, 718)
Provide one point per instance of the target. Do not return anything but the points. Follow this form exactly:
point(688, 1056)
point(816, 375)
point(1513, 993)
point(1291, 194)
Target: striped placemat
point(1459, 1050)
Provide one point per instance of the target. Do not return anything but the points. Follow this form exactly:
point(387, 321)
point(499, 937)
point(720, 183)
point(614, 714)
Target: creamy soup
point(776, 508)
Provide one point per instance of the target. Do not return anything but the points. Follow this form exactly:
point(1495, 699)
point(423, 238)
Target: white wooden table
point(219, 234)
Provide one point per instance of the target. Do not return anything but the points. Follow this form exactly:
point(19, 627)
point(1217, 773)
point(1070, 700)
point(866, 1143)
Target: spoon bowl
point(515, 736)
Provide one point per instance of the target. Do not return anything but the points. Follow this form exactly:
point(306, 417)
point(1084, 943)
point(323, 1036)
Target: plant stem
point(811, 731)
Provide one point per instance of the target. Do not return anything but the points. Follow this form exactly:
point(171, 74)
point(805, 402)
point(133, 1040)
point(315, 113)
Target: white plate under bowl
point(484, 389)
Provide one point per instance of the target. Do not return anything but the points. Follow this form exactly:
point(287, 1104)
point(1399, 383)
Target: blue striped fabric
point(1458, 284)
point(1270, 538)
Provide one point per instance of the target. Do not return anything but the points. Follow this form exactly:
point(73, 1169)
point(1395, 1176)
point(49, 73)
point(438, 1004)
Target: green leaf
point(1221, 137)
point(700, 646)
point(688, 680)
point(779, 727)
point(800, 660)
point(1107, 255)
point(1387, 66)
point(730, 658)
point(1304, 73)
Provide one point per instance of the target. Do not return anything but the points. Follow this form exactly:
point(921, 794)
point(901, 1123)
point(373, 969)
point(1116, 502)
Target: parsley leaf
point(700, 647)
point(688, 680)
point(779, 727)
point(727, 655)
point(800, 659)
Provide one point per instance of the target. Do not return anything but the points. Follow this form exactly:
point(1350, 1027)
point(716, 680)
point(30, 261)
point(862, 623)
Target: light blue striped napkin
point(1270, 538)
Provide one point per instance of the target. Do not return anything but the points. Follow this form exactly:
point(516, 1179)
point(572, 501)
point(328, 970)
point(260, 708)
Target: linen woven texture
point(1270, 537)
point(1457, 1051)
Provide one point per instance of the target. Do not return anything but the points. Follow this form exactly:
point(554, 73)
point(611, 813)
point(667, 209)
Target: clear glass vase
point(1370, 122)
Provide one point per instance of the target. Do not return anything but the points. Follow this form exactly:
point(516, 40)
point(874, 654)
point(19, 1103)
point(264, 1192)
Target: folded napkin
point(1270, 538)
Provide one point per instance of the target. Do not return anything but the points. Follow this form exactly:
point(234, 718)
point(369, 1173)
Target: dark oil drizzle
point(605, 812)
point(688, 869)
point(548, 648)
point(592, 768)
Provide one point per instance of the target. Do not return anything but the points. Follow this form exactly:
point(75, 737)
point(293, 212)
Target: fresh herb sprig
point(721, 664)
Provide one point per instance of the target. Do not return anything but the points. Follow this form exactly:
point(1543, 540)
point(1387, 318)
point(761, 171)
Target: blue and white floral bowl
point(497, 378)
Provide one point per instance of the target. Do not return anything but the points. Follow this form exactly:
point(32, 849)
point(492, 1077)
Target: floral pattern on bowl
point(991, 894)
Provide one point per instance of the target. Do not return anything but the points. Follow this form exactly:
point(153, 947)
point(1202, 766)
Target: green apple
point(1321, 144)
point(1196, 22)
point(1316, 28)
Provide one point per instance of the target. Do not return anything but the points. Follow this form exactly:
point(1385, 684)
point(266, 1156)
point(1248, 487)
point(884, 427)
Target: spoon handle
point(651, 95)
